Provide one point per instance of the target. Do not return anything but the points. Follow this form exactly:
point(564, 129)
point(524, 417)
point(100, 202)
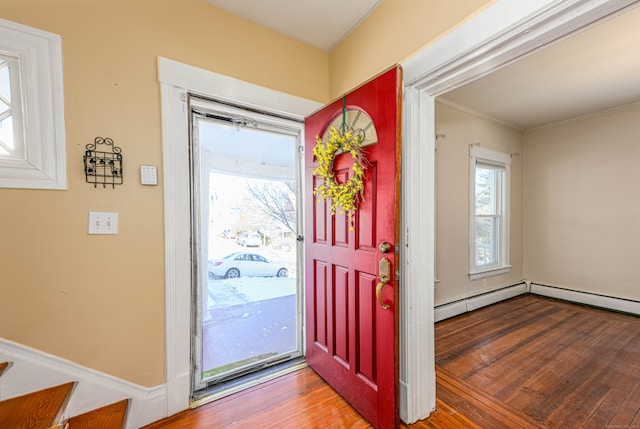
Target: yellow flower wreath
point(344, 196)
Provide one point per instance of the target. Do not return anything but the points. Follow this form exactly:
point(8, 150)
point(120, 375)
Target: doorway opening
point(246, 258)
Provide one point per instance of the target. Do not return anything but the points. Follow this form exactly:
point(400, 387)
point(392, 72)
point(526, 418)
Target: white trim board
point(601, 301)
point(33, 370)
point(456, 308)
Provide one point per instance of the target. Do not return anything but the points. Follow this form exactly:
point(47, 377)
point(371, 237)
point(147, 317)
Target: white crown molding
point(446, 102)
point(590, 116)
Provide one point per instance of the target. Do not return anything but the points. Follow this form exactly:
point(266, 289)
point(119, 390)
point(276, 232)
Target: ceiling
point(322, 24)
point(595, 70)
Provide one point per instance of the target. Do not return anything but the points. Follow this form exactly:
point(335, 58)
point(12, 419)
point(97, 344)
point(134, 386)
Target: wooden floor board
point(526, 363)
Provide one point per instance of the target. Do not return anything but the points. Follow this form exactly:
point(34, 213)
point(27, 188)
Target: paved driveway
point(238, 332)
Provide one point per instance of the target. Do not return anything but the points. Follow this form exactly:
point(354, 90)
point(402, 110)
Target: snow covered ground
point(242, 290)
point(226, 292)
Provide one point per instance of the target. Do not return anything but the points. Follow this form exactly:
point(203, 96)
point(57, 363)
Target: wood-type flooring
point(529, 362)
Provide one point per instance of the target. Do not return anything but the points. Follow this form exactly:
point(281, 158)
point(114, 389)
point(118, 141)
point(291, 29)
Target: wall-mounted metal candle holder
point(103, 167)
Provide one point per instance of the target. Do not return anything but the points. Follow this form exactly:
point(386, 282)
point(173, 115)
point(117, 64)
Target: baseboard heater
point(462, 306)
point(446, 311)
point(594, 300)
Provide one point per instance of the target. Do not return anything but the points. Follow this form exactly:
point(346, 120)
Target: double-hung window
point(489, 212)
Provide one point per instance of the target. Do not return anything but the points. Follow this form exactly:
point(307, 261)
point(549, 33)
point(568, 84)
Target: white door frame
point(500, 34)
point(176, 80)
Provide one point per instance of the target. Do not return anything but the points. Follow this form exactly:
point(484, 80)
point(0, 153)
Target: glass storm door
point(245, 175)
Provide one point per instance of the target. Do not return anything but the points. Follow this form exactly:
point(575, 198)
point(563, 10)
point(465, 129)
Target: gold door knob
point(385, 247)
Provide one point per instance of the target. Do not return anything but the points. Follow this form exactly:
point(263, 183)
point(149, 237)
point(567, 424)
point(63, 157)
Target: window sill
point(490, 272)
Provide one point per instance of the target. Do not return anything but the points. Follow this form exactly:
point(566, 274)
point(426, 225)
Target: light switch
point(148, 175)
point(103, 223)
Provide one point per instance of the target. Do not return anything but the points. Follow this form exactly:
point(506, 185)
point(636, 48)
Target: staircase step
point(108, 417)
point(3, 367)
point(35, 410)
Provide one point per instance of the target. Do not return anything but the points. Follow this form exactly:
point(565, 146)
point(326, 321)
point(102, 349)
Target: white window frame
point(39, 122)
point(15, 105)
point(481, 156)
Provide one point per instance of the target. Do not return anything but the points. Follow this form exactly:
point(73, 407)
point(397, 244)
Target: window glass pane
point(7, 145)
point(487, 195)
point(487, 238)
point(5, 85)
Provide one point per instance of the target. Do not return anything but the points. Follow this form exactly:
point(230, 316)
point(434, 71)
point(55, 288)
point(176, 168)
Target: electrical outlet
point(484, 283)
point(103, 223)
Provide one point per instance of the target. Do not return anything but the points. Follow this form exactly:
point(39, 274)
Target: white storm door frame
point(176, 81)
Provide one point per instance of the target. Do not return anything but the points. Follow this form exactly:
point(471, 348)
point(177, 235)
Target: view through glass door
point(245, 222)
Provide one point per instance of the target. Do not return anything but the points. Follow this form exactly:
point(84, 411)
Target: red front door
point(351, 338)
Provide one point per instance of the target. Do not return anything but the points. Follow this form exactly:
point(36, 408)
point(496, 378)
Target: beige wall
point(582, 205)
point(99, 300)
point(392, 33)
point(452, 202)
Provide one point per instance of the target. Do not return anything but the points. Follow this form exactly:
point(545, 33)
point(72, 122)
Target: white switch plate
point(103, 223)
point(148, 175)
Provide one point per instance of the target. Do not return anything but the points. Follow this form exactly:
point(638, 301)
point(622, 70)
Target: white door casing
point(500, 34)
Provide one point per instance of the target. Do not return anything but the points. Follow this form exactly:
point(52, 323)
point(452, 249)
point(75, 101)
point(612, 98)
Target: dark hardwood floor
point(529, 362)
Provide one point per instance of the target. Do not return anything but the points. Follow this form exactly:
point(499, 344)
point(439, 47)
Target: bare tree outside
point(275, 199)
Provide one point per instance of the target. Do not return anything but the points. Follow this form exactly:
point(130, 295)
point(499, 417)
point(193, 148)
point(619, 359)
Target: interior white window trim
point(176, 81)
point(503, 32)
point(41, 116)
point(479, 155)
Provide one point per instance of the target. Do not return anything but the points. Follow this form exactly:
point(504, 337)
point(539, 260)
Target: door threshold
point(230, 387)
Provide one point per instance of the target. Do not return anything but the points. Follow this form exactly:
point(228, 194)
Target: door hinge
point(397, 249)
point(300, 238)
point(397, 274)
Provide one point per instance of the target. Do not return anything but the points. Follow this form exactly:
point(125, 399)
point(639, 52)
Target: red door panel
point(352, 341)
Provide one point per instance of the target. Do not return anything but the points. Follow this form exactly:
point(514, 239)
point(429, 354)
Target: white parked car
point(246, 264)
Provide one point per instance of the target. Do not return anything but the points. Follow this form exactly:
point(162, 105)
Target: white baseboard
point(606, 302)
point(34, 370)
point(446, 311)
